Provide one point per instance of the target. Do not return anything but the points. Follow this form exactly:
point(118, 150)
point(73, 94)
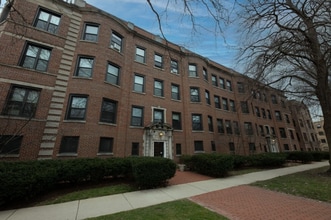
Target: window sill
point(82, 77)
point(160, 97)
point(176, 100)
point(199, 152)
point(105, 154)
point(67, 155)
point(74, 121)
point(9, 155)
point(112, 84)
point(140, 93)
point(107, 123)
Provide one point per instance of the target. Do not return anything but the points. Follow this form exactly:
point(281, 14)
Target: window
point(174, 66)
point(207, 97)
point(248, 128)
point(22, 102)
point(323, 141)
point(232, 105)
point(225, 104)
point(112, 75)
point(241, 87)
point(36, 57)
point(198, 146)
point(91, 32)
point(222, 83)
point(205, 74)
point(305, 137)
point(47, 21)
point(84, 67)
point(140, 55)
point(77, 107)
point(287, 118)
point(232, 147)
point(286, 147)
point(291, 134)
point(139, 82)
point(257, 112)
point(158, 88)
point(244, 107)
point(220, 126)
point(236, 128)
point(274, 99)
point(269, 114)
point(283, 103)
point(321, 133)
point(10, 144)
point(229, 85)
point(273, 131)
point(135, 149)
point(108, 111)
point(178, 149)
point(175, 95)
point(264, 97)
point(158, 61)
point(282, 132)
point(137, 116)
point(278, 115)
point(252, 147)
point(263, 113)
point(106, 145)
point(176, 121)
point(261, 130)
point(213, 146)
point(210, 124)
point(192, 68)
point(217, 102)
point(197, 122)
point(69, 144)
point(228, 127)
point(116, 42)
point(214, 80)
point(158, 116)
point(195, 97)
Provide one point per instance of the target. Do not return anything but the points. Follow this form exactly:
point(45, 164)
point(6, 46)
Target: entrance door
point(158, 149)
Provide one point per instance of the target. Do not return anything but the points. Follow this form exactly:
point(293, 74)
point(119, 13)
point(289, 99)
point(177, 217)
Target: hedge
point(150, 172)
point(267, 160)
point(302, 156)
point(216, 165)
point(25, 180)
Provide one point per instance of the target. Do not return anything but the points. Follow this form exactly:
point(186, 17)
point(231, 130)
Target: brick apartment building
point(76, 81)
point(321, 136)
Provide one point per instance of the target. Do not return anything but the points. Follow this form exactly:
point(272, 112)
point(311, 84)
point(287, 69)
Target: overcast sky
point(177, 27)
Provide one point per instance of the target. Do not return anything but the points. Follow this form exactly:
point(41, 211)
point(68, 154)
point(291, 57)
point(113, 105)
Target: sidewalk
point(82, 209)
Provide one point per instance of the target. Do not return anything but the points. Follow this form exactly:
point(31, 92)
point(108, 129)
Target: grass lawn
point(314, 184)
point(177, 210)
point(90, 193)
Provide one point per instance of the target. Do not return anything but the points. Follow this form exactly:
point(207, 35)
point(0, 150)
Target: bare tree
point(288, 46)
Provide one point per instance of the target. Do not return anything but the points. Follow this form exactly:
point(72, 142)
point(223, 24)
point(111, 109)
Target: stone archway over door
point(158, 141)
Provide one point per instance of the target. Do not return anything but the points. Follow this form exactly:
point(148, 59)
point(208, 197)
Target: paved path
point(127, 201)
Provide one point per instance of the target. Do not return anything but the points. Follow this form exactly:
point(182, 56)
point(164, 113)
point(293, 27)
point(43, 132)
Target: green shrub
point(318, 155)
point(215, 165)
point(239, 161)
point(268, 160)
point(116, 167)
point(151, 172)
point(302, 156)
point(187, 160)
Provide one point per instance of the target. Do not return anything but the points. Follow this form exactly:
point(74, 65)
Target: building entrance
point(158, 140)
point(158, 149)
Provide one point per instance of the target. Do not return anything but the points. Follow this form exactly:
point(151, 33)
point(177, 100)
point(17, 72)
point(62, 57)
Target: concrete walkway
point(82, 209)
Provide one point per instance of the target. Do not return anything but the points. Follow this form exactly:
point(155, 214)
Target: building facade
point(321, 136)
point(76, 81)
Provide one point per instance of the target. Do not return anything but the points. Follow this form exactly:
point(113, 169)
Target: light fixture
point(161, 134)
